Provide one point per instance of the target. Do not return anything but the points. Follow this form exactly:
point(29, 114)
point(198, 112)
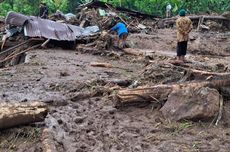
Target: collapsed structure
point(34, 27)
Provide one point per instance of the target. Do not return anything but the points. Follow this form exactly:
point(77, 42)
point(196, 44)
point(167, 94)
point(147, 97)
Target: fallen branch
point(100, 64)
point(45, 43)
point(203, 75)
point(220, 111)
point(201, 20)
point(117, 15)
point(12, 115)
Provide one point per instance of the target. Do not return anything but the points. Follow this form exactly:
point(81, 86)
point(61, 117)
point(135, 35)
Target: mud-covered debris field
point(84, 95)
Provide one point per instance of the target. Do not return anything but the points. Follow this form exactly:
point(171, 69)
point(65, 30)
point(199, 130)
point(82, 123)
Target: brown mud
point(92, 123)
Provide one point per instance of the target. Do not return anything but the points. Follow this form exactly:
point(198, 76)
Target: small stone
point(79, 120)
point(111, 110)
point(64, 74)
point(60, 121)
point(24, 100)
point(79, 150)
point(4, 95)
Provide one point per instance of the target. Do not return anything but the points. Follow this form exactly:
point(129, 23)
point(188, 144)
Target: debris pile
point(104, 15)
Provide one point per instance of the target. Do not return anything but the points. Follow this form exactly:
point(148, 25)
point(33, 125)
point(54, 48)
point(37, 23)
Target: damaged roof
point(38, 27)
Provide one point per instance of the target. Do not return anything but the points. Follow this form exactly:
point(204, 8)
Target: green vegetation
point(156, 7)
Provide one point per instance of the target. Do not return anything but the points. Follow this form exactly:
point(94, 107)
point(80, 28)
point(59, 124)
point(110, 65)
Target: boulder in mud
point(192, 104)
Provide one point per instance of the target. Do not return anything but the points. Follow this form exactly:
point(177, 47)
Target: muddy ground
point(57, 76)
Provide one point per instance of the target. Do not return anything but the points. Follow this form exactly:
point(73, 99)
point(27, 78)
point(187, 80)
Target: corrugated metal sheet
point(37, 27)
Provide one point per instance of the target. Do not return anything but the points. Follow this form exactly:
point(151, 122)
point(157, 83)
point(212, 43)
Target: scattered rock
point(64, 74)
point(24, 100)
point(79, 119)
point(109, 109)
point(60, 121)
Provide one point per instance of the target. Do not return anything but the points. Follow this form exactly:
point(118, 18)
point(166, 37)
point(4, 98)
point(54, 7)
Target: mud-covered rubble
point(82, 97)
point(89, 123)
point(163, 72)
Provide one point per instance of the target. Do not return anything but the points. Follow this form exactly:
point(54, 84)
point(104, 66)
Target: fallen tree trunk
point(12, 115)
point(159, 93)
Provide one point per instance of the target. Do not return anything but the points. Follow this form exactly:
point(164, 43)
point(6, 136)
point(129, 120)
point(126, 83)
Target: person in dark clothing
point(43, 11)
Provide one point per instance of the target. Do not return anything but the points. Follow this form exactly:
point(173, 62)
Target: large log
point(12, 115)
point(159, 93)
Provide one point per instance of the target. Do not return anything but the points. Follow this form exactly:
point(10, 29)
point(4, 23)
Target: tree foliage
point(156, 7)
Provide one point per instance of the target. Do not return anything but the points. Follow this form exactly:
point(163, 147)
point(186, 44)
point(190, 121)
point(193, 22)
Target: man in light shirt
point(168, 10)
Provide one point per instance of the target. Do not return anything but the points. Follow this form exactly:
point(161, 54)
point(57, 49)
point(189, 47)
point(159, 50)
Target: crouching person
point(122, 33)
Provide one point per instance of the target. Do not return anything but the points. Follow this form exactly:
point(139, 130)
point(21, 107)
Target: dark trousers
point(182, 48)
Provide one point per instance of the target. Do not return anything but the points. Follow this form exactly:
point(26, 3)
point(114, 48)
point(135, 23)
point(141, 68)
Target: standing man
point(168, 10)
point(122, 33)
point(184, 27)
point(43, 11)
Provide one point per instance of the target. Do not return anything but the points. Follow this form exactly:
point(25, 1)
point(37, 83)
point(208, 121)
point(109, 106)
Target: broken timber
point(12, 115)
point(11, 56)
